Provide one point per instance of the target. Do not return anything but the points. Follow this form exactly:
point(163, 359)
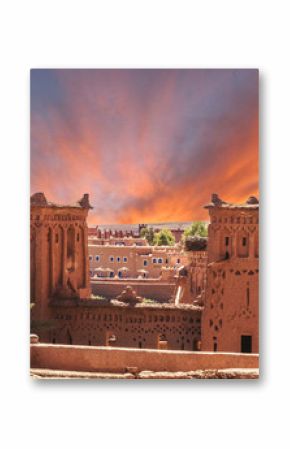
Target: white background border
point(73, 414)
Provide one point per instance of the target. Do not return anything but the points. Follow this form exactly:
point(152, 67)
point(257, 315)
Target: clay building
point(58, 252)
point(150, 270)
point(106, 231)
point(230, 316)
point(127, 322)
point(191, 279)
point(117, 241)
point(133, 261)
point(60, 290)
point(215, 289)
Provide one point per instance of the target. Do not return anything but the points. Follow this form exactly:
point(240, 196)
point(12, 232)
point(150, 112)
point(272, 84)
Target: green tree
point(164, 238)
point(148, 234)
point(197, 229)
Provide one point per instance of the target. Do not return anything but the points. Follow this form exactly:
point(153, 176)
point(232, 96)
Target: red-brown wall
point(85, 358)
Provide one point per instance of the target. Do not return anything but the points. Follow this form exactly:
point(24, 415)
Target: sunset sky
point(147, 145)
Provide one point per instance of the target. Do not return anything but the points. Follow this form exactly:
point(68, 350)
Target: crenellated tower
point(58, 252)
point(230, 317)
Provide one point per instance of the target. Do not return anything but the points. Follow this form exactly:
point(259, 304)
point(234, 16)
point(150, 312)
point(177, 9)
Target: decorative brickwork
point(58, 252)
point(230, 318)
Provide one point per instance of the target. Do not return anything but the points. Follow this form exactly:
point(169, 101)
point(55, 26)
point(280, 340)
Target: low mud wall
point(120, 360)
point(151, 289)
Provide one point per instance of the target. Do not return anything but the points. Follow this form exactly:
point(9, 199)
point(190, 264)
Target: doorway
point(69, 338)
point(246, 344)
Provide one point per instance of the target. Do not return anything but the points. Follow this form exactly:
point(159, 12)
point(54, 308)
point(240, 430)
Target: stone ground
point(207, 374)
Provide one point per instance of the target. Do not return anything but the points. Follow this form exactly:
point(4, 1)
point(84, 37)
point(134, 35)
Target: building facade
point(134, 261)
point(231, 309)
point(122, 325)
point(215, 306)
point(117, 241)
point(191, 279)
point(106, 231)
point(58, 252)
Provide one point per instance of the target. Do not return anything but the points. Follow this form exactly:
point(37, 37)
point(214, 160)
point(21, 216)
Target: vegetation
point(195, 237)
point(161, 238)
point(164, 238)
point(148, 234)
point(198, 228)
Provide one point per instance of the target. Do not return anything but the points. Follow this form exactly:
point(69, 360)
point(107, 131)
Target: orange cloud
point(148, 146)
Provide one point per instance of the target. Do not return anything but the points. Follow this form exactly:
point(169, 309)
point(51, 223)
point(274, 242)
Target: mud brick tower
point(230, 316)
point(58, 252)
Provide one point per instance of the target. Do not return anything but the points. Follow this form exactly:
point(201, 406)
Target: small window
point(160, 260)
point(154, 260)
point(244, 241)
point(125, 259)
point(90, 257)
point(118, 259)
point(178, 261)
point(166, 261)
point(111, 258)
point(98, 258)
point(145, 263)
point(227, 240)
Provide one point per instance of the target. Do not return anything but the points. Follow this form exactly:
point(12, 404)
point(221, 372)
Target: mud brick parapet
point(119, 360)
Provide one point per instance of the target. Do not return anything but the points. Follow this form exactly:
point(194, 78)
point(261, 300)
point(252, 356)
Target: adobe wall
point(230, 319)
point(135, 327)
point(131, 261)
point(192, 280)
point(104, 359)
point(58, 252)
point(117, 241)
point(153, 290)
point(232, 306)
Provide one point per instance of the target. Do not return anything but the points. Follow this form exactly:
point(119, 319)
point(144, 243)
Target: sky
point(147, 145)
